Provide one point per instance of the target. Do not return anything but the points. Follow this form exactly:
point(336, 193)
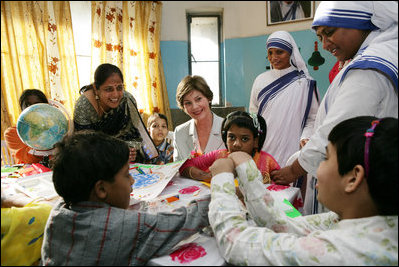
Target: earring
point(97, 98)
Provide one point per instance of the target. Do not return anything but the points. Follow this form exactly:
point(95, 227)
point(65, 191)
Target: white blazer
point(185, 138)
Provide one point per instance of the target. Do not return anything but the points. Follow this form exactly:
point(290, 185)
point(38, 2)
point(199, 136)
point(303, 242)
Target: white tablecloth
point(197, 250)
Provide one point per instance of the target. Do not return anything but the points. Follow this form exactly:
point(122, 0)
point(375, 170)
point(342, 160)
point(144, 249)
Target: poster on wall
point(279, 12)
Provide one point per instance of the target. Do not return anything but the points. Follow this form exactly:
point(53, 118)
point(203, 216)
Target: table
point(200, 249)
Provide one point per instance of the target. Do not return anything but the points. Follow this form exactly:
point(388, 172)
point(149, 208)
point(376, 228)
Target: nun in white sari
point(287, 99)
point(367, 86)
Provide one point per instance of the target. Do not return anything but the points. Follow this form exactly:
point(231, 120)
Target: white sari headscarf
point(287, 99)
point(284, 40)
point(381, 17)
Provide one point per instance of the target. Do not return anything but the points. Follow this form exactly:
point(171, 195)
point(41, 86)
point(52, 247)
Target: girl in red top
point(241, 131)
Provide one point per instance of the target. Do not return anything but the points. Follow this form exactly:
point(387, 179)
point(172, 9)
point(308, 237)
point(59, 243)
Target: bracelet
point(189, 172)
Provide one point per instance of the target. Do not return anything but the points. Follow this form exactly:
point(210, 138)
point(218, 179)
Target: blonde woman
point(201, 134)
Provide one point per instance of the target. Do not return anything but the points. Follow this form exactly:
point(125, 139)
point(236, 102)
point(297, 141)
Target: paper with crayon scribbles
point(150, 180)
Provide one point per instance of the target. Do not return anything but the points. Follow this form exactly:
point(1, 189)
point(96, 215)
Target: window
point(81, 25)
point(204, 51)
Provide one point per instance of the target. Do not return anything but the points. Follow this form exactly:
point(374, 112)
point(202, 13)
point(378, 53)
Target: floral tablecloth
point(201, 249)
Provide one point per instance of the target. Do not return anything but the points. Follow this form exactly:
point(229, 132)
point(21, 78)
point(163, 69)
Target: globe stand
point(43, 153)
point(45, 161)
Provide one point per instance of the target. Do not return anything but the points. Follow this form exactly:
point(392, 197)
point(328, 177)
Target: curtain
point(127, 34)
point(37, 51)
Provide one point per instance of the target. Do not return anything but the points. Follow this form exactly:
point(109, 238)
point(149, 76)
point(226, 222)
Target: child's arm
point(242, 243)
point(266, 210)
point(196, 174)
point(18, 148)
point(162, 231)
point(198, 168)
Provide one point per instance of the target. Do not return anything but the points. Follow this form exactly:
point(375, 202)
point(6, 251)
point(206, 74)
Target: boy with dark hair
point(157, 126)
point(92, 225)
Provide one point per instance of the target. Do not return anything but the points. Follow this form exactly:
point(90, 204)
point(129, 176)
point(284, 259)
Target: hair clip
point(368, 134)
point(370, 131)
point(255, 120)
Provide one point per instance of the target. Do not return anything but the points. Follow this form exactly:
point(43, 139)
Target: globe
point(41, 126)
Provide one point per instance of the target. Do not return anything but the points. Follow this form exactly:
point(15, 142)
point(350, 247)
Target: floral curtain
point(127, 34)
point(37, 51)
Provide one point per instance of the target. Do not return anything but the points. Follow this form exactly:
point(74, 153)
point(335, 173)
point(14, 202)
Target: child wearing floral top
point(157, 126)
point(357, 181)
point(241, 131)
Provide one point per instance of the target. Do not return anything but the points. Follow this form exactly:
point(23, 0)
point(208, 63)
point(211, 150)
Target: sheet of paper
point(40, 185)
point(150, 180)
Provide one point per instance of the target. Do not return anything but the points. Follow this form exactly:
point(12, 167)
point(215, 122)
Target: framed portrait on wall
point(278, 12)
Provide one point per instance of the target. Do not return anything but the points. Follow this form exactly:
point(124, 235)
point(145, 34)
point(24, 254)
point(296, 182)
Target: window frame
point(189, 17)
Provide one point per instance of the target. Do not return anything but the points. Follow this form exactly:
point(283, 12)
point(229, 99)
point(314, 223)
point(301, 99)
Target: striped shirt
point(95, 233)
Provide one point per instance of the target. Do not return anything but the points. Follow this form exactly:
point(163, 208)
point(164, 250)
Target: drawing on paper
point(143, 180)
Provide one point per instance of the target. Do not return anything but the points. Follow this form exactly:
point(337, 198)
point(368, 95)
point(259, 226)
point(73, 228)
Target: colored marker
point(140, 170)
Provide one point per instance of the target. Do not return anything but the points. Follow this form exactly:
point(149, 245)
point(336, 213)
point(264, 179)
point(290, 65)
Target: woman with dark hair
point(241, 131)
point(286, 96)
point(106, 106)
point(19, 150)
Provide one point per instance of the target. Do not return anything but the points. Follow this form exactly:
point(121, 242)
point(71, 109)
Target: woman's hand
point(288, 174)
point(303, 142)
point(284, 176)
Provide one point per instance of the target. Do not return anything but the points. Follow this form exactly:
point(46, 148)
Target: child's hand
point(239, 157)
point(132, 154)
point(222, 165)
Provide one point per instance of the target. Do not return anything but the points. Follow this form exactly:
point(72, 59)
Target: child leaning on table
point(357, 181)
point(92, 224)
point(22, 227)
point(241, 131)
point(157, 126)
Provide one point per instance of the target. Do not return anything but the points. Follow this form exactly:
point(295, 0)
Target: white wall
point(240, 19)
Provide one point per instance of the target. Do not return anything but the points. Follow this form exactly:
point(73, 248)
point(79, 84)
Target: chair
point(6, 157)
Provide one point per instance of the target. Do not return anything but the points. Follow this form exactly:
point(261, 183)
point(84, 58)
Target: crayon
point(172, 198)
point(138, 169)
point(169, 198)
